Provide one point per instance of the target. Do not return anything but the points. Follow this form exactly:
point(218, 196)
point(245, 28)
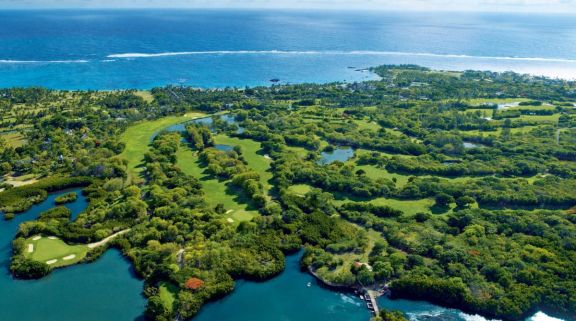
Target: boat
point(309, 284)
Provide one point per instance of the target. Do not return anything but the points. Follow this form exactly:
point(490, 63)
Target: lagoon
point(103, 290)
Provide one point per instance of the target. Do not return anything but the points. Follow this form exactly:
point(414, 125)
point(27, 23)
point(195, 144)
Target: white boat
point(309, 284)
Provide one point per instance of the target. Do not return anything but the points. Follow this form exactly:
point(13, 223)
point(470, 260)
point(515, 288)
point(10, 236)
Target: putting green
point(47, 249)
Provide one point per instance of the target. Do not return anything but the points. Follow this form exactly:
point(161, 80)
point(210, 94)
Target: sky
point(563, 6)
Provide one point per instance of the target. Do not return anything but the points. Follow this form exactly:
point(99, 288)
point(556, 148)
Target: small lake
point(224, 148)
point(340, 154)
point(103, 290)
point(508, 105)
point(208, 121)
point(469, 145)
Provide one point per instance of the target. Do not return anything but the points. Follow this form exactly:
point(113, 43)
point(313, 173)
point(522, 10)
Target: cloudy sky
point(565, 6)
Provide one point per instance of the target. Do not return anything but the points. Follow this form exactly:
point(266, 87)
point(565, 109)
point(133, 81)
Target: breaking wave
point(329, 52)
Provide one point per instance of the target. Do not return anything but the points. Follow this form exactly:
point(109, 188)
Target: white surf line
point(332, 52)
point(51, 262)
point(69, 257)
point(30, 248)
point(104, 241)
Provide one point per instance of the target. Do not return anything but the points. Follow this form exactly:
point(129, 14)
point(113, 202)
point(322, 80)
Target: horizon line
point(264, 8)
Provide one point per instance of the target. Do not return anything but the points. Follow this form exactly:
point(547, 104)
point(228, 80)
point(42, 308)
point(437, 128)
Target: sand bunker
point(30, 248)
point(36, 238)
point(51, 262)
point(52, 237)
point(69, 257)
point(230, 220)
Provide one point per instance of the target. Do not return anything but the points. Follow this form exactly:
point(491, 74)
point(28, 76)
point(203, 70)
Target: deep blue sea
point(71, 49)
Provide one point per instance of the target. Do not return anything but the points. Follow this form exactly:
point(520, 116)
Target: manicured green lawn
point(137, 138)
point(480, 101)
point(238, 207)
point(251, 150)
point(367, 124)
point(541, 118)
point(146, 95)
point(300, 189)
point(46, 249)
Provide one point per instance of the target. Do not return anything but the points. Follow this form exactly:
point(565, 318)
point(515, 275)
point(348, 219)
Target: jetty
point(371, 304)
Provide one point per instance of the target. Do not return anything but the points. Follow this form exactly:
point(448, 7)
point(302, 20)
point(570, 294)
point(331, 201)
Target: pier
point(370, 299)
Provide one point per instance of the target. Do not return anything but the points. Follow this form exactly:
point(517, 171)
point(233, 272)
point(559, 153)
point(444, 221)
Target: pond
point(208, 121)
point(469, 145)
point(508, 105)
point(224, 147)
point(103, 290)
point(340, 154)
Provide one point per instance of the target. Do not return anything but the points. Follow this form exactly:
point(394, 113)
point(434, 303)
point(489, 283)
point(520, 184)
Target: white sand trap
point(267, 156)
point(230, 220)
point(36, 238)
point(229, 211)
point(52, 237)
point(69, 257)
point(51, 262)
point(30, 248)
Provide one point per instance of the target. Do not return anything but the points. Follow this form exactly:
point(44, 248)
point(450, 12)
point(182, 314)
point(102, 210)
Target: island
point(457, 188)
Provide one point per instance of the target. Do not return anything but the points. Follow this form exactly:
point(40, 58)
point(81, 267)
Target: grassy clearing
point(300, 189)
point(251, 150)
point(498, 131)
point(301, 152)
point(350, 257)
point(167, 293)
point(480, 101)
point(409, 207)
point(237, 205)
point(14, 139)
point(47, 249)
point(541, 118)
point(137, 138)
point(146, 95)
point(367, 124)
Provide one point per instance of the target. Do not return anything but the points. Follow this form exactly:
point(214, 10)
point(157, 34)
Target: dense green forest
point(455, 188)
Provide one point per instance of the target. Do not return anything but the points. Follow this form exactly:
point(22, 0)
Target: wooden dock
point(371, 304)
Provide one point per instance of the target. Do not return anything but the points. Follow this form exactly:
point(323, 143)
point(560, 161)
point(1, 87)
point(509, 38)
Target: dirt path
point(106, 240)
point(180, 258)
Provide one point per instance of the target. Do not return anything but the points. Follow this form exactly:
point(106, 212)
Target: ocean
point(76, 49)
point(119, 49)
